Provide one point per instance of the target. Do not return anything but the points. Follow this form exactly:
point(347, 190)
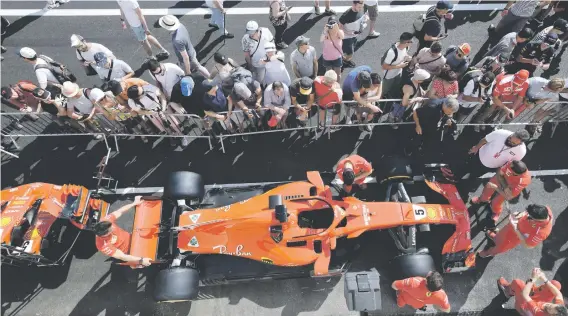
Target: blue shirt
point(351, 83)
point(216, 103)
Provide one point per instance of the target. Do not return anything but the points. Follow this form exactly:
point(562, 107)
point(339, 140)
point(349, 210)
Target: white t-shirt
point(44, 75)
point(389, 74)
point(371, 2)
point(82, 105)
point(119, 70)
point(129, 7)
point(495, 153)
point(250, 45)
point(95, 48)
point(171, 75)
point(469, 91)
point(149, 101)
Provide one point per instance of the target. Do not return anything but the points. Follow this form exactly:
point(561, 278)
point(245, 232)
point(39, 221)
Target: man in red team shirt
point(508, 182)
point(113, 241)
point(418, 292)
point(508, 95)
point(528, 228)
point(530, 299)
point(353, 170)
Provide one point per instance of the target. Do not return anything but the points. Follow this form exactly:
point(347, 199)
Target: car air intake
point(281, 213)
point(274, 200)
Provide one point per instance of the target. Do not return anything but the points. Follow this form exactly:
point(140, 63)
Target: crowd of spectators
point(436, 87)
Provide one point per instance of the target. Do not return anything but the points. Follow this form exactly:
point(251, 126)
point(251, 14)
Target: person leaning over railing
point(355, 86)
point(20, 96)
point(302, 96)
point(477, 91)
point(81, 106)
point(444, 86)
point(147, 100)
point(277, 99)
point(328, 95)
point(411, 94)
point(539, 92)
point(374, 94)
point(215, 103)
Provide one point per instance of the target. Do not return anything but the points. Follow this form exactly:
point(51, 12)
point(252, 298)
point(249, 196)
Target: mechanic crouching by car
point(114, 241)
point(352, 171)
point(419, 292)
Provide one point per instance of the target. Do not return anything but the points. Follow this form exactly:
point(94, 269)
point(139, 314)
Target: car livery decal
point(238, 251)
point(194, 217)
point(193, 242)
point(419, 212)
point(366, 215)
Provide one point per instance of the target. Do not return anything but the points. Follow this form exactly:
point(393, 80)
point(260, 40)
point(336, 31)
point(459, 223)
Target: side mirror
point(281, 213)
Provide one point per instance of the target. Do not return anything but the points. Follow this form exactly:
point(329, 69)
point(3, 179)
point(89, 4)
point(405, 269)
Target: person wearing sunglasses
point(395, 59)
point(506, 184)
point(528, 228)
point(457, 58)
point(535, 55)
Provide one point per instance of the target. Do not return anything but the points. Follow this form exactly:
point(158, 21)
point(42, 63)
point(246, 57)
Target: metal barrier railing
point(238, 124)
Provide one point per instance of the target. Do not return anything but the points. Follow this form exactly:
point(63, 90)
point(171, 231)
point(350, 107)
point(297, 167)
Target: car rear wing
point(145, 230)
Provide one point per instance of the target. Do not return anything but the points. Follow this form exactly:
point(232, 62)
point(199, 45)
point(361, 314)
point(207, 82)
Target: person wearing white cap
point(130, 10)
point(253, 43)
point(81, 105)
point(112, 69)
point(86, 51)
point(40, 62)
point(275, 69)
point(411, 93)
point(185, 52)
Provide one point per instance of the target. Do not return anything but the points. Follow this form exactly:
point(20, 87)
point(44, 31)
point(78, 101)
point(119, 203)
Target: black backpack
point(472, 73)
point(239, 74)
point(59, 71)
point(393, 47)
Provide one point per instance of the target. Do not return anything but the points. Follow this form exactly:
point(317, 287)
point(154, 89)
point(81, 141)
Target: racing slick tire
point(176, 284)
point(394, 169)
point(184, 185)
point(412, 265)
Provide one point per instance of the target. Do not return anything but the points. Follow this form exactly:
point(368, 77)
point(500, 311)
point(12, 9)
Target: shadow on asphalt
point(558, 238)
point(301, 27)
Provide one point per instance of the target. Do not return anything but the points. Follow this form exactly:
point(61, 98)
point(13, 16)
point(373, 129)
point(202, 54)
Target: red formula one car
point(291, 227)
point(41, 222)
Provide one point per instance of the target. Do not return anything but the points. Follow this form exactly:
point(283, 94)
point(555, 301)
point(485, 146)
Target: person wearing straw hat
point(185, 52)
point(81, 107)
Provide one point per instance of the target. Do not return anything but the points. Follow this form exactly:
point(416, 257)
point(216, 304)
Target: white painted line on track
point(153, 190)
point(234, 11)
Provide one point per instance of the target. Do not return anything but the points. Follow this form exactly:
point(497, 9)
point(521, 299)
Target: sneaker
point(374, 34)
point(229, 35)
point(52, 6)
point(491, 28)
point(317, 10)
point(282, 45)
point(349, 64)
point(329, 12)
point(184, 142)
point(503, 287)
point(162, 55)
point(98, 137)
point(214, 26)
point(245, 138)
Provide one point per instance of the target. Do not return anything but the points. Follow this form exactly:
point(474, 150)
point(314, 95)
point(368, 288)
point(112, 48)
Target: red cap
point(273, 121)
point(465, 48)
point(521, 76)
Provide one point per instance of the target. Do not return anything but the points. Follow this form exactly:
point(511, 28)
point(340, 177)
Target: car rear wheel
point(394, 169)
point(412, 265)
point(176, 284)
point(184, 185)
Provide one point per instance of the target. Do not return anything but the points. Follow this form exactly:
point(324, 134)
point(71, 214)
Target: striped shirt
point(523, 8)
